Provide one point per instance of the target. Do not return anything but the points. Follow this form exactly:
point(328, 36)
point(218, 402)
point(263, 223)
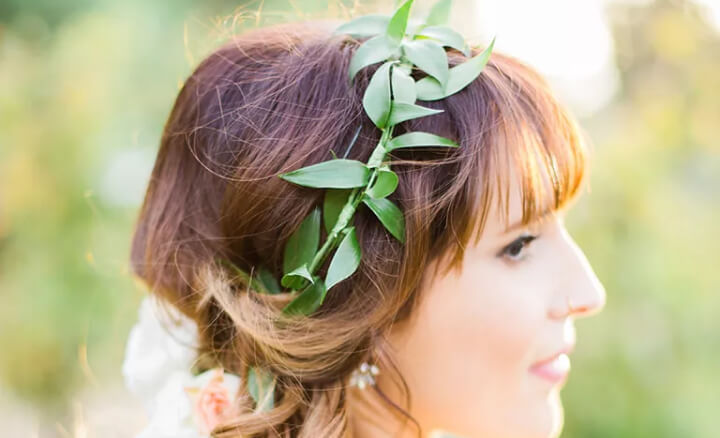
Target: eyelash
point(523, 241)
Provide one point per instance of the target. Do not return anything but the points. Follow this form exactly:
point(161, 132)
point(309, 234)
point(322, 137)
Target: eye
point(514, 250)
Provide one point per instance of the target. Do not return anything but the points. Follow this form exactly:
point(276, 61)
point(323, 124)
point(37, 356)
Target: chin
point(545, 419)
point(554, 416)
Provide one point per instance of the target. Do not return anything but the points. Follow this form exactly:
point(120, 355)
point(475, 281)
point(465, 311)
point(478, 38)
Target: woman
point(464, 327)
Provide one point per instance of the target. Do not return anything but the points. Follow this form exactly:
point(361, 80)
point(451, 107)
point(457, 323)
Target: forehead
point(514, 206)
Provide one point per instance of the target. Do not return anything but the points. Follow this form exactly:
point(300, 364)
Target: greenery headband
point(388, 100)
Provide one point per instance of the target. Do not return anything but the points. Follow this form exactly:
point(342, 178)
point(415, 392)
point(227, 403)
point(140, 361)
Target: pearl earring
point(364, 375)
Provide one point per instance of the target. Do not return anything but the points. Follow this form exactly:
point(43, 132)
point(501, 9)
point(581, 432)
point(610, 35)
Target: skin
point(467, 349)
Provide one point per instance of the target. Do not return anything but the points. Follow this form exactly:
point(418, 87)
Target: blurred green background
point(85, 86)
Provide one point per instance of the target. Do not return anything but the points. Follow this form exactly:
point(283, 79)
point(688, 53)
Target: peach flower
point(212, 401)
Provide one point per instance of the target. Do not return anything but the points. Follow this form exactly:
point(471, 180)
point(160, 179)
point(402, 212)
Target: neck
point(370, 415)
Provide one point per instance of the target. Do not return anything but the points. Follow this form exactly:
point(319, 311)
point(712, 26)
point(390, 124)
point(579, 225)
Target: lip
point(554, 368)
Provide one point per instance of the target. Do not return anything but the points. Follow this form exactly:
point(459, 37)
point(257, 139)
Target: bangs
point(535, 145)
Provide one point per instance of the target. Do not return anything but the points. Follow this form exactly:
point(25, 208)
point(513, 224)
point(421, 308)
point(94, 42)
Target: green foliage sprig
point(389, 99)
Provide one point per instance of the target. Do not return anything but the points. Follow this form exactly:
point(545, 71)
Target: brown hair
point(277, 99)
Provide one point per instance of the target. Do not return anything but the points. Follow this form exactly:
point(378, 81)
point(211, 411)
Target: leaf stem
point(348, 210)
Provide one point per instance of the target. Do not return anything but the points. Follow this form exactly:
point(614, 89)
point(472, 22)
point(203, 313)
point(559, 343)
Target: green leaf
point(385, 183)
point(459, 77)
point(333, 204)
point(413, 139)
point(308, 300)
point(268, 280)
point(332, 174)
point(447, 37)
point(403, 86)
point(413, 26)
point(398, 22)
point(303, 243)
point(261, 387)
point(372, 51)
point(345, 260)
point(376, 99)
point(389, 215)
point(296, 279)
point(366, 25)
point(406, 111)
point(429, 56)
point(404, 67)
point(439, 13)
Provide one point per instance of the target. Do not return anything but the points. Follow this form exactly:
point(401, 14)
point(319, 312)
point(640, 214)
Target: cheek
point(467, 351)
point(500, 317)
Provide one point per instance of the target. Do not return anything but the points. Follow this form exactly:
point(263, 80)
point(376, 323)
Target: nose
point(581, 293)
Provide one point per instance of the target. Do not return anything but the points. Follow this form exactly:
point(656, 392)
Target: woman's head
point(453, 326)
